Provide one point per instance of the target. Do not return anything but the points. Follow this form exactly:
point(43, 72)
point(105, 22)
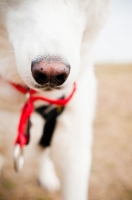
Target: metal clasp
point(18, 158)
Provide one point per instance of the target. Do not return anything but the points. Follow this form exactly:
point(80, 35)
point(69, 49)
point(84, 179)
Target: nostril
point(60, 79)
point(40, 77)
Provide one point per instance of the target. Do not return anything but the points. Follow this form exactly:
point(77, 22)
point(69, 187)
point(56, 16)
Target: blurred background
point(111, 172)
point(115, 42)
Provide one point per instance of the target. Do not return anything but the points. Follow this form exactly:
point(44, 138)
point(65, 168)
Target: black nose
point(53, 73)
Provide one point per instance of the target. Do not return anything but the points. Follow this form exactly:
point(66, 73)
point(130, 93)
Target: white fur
point(65, 28)
point(47, 175)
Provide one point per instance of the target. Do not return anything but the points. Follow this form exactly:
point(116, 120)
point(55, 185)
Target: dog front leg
point(74, 166)
point(75, 175)
point(71, 153)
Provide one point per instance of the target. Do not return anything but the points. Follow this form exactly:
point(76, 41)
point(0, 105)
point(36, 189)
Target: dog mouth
point(47, 87)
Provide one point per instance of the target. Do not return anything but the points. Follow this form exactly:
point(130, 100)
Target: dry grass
point(111, 173)
point(111, 177)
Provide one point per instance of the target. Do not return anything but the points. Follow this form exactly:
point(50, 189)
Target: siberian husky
point(48, 46)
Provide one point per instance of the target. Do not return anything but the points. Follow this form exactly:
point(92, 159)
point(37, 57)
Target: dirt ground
point(111, 172)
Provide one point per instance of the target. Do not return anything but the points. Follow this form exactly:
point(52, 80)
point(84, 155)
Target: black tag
point(50, 114)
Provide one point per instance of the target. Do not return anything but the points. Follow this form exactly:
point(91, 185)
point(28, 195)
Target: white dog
point(47, 45)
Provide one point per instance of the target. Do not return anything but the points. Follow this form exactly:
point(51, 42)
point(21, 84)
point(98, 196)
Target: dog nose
point(53, 73)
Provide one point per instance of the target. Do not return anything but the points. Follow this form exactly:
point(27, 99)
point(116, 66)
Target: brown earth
point(111, 172)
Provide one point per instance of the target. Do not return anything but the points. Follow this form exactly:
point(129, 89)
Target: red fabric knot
point(23, 136)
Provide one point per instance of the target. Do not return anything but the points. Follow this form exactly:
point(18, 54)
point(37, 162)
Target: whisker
point(101, 73)
point(19, 82)
point(8, 51)
point(17, 79)
point(9, 75)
